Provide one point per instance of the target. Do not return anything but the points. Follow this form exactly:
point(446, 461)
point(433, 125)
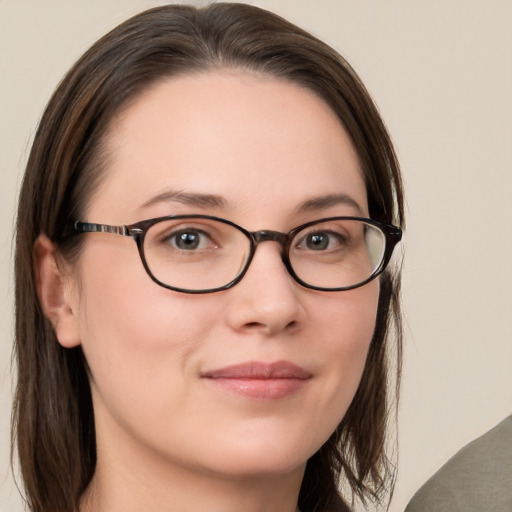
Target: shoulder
point(478, 477)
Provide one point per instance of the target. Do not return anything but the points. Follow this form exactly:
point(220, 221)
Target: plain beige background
point(441, 73)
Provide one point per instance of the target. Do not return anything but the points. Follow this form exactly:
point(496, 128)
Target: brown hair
point(53, 421)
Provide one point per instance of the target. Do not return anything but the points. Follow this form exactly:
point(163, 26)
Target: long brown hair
point(53, 418)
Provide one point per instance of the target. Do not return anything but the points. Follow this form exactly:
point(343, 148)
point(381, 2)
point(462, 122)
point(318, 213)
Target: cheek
point(138, 338)
point(137, 330)
point(349, 321)
point(143, 344)
point(119, 300)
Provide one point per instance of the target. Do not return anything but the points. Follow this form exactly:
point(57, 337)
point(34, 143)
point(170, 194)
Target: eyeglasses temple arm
point(91, 227)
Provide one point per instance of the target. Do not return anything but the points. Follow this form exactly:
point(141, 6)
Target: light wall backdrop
point(441, 74)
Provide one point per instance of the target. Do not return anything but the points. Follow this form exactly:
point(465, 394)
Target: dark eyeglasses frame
point(138, 230)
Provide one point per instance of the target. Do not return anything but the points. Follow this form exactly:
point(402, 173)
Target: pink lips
point(260, 380)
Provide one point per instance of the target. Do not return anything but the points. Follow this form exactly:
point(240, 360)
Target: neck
point(129, 478)
point(132, 491)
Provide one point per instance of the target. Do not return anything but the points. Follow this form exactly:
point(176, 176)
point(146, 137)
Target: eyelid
point(193, 224)
point(324, 226)
point(177, 229)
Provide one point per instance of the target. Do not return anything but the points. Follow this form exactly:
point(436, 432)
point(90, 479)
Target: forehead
point(253, 140)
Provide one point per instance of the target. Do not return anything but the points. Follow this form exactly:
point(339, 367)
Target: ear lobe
point(54, 293)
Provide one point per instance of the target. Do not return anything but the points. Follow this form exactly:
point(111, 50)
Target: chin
point(262, 467)
point(264, 458)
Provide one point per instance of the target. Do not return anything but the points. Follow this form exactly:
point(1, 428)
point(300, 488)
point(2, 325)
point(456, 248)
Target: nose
point(267, 299)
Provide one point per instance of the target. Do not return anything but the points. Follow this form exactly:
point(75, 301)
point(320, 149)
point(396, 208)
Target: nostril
point(261, 326)
point(254, 325)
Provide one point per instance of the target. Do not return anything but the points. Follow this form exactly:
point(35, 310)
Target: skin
point(169, 439)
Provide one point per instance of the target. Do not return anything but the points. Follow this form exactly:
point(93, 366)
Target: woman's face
point(179, 378)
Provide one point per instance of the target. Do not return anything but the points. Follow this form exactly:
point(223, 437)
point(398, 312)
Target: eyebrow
point(188, 198)
point(327, 201)
point(201, 200)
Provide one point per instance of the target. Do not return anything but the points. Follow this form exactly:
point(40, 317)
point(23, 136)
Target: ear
point(54, 291)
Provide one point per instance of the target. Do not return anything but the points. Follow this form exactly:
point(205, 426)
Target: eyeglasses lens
point(205, 254)
point(338, 253)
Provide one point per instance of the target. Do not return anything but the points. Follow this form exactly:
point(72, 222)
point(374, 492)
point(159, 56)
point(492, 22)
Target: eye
point(189, 239)
point(322, 241)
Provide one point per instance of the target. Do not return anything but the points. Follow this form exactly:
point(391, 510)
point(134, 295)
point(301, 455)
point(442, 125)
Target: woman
point(235, 356)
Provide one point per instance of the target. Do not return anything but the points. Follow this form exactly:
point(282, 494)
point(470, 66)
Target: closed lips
point(260, 381)
point(259, 371)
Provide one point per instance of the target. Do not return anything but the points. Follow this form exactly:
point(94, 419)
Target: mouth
point(264, 381)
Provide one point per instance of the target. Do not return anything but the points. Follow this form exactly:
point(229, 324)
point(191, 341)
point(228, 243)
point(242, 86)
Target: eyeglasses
point(204, 254)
